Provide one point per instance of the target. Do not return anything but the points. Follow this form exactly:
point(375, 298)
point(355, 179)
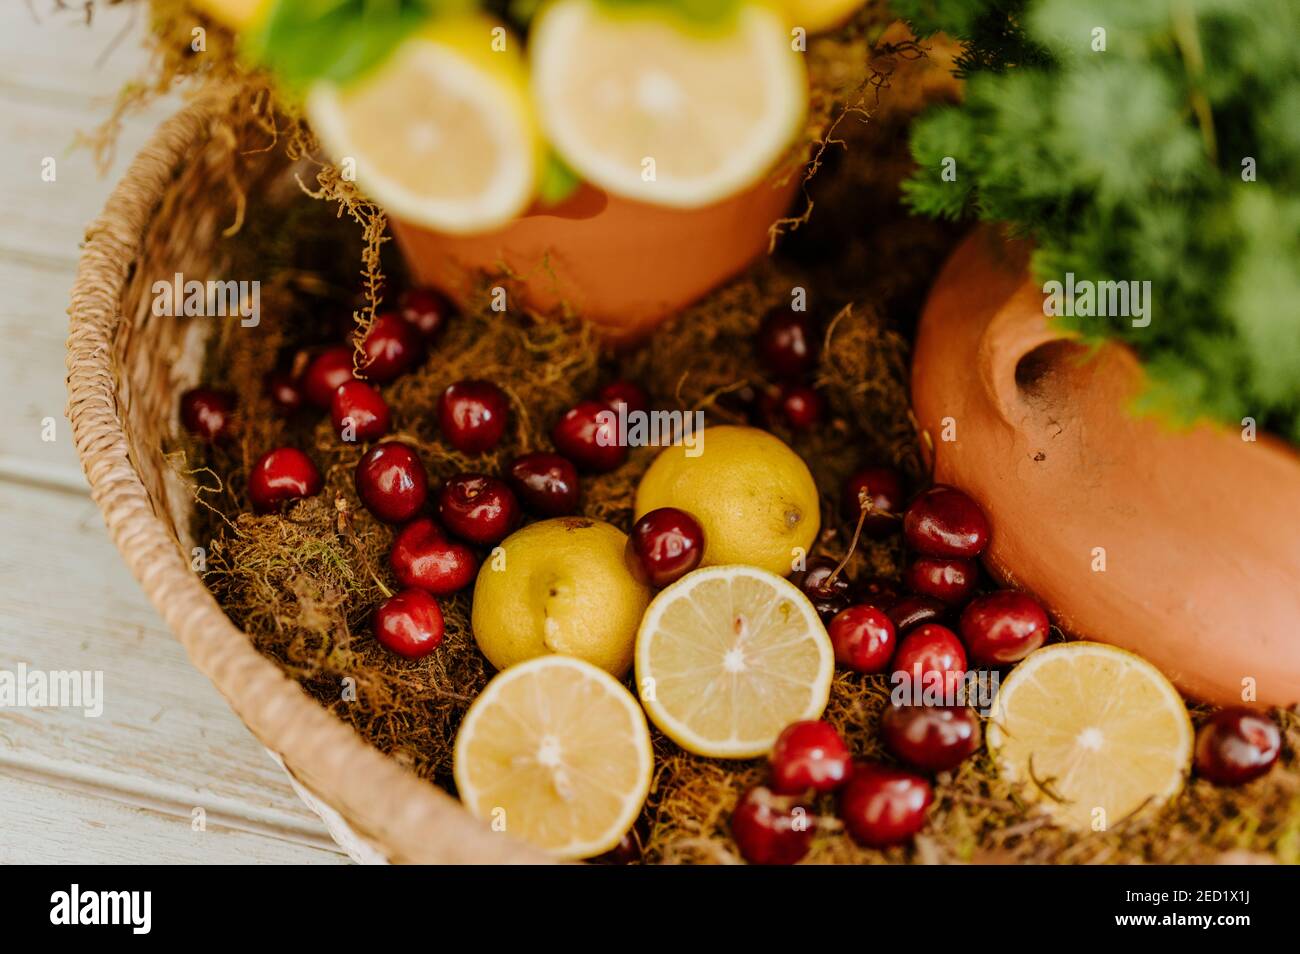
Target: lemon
point(728, 656)
point(648, 107)
point(559, 586)
point(752, 495)
point(236, 14)
point(1100, 729)
point(442, 134)
point(817, 15)
point(558, 753)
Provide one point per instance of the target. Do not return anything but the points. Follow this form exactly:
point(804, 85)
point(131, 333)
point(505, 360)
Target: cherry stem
point(864, 506)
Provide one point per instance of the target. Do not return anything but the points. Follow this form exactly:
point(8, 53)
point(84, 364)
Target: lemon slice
point(442, 133)
point(556, 752)
point(1102, 730)
point(728, 656)
point(649, 108)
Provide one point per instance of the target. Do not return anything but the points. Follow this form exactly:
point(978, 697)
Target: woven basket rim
point(407, 818)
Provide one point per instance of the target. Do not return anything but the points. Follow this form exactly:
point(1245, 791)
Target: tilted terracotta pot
point(621, 264)
point(1198, 528)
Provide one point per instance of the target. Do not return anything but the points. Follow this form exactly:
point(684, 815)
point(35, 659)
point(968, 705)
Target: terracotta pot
point(1197, 528)
point(624, 265)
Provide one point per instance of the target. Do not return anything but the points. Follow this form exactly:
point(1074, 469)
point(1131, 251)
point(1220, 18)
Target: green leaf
point(303, 41)
point(558, 181)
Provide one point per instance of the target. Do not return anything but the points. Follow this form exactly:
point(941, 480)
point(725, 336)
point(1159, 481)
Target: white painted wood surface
point(129, 785)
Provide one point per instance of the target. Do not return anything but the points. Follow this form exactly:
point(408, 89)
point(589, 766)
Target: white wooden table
point(126, 786)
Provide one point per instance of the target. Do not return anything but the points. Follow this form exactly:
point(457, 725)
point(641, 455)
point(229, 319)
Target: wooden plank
point(44, 824)
point(166, 735)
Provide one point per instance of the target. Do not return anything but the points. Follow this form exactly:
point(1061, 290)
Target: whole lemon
point(559, 586)
point(752, 495)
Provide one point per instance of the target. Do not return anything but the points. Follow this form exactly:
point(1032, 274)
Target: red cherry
point(207, 413)
point(863, 638)
point(931, 738)
point(478, 508)
point(796, 406)
point(331, 368)
point(913, 611)
point(547, 484)
point(807, 755)
point(425, 559)
point(932, 648)
point(945, 522)
point(282, 475)
point(625, 393)
point(285, 392)
point(1003, 627)
point(391, 481)
point(882, 488)
point(883, 806)
point(587, 434)
point(947, 579)
point(1237, 745)
point(787, 342)
point(426, 311)
point(359, 412)
point(473, 415)
point(828, 591)
point(664, 546)
point(391, 348)
point(771, 829)
point(878, 592)
point(628, 850)
point(409, 623)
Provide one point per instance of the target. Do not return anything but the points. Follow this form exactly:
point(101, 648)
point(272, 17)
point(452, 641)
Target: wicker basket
point(126, 370)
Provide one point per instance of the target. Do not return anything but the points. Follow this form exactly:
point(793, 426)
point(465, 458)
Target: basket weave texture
point(126, 371)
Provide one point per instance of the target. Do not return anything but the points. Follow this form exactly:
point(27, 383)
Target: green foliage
point(337, 40)
point(1127, 164)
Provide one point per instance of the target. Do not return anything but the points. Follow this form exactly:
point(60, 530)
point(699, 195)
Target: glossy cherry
point(931, 648)
point(787, 342)
point(426, 311)
point(280, 476)
point(1003, 627)
point(829, 592)
point(863, 638)
point(809, 755)
point(877, 591)
point(883, 806)
point(796, 406)
point(478, 508)
point(950, 580)
point(391, 481)
point(409, 623)
point(545, 483)
point(207, 413)
point(359, 412)
point(422, 557)
point(473, 415)
point(329, 369)
point(1237, 745)
point(771, 829)
point(587, 434)
point(391, 348)
point(625, 393)
point(931, 738)
point(913, 611)
point(944, 522)
point(878, 490)
point(664, 546)
point(284, 391)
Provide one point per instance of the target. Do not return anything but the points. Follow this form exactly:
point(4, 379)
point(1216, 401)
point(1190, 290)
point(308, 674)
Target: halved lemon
point(442, 134)
point(648, 107)
point(1095, 731)
point(557, 752)
point(728, 656)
